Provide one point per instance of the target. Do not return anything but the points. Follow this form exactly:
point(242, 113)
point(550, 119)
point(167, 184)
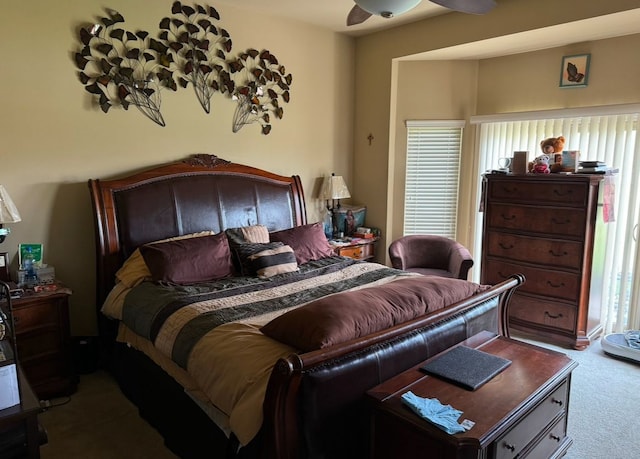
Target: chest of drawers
point(520, 413)
point(547, 228)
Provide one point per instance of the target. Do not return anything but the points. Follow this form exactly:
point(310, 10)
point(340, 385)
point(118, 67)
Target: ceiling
point(332, 14)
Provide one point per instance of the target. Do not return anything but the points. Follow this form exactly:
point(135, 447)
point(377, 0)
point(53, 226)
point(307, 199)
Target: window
point(432, 175)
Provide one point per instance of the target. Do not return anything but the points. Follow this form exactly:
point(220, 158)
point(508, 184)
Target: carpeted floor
point(99, 423)
point(604, 405)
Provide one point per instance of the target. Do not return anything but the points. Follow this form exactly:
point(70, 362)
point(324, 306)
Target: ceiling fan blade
point(467, 6)
point(357, 16)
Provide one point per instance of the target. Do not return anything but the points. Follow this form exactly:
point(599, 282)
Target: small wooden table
point(521, 412)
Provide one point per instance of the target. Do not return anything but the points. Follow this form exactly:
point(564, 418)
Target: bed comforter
point(212, 331)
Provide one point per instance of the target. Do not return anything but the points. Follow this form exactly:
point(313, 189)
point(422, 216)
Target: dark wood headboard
point(200, 193)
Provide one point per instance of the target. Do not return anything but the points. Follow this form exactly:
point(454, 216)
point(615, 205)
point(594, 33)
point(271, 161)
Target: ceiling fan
point(364, 9)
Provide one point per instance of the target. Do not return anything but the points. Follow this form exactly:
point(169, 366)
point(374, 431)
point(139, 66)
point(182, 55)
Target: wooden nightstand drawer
point(358, 250)
point(34, 316)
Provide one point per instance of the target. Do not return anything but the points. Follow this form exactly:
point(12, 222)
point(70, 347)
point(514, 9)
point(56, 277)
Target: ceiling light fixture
point(386, 8)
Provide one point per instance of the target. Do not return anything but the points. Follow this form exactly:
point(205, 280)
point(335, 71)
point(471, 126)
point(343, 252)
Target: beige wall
point(427, 90)
point(52, 140)
point(530, 81)
point(380, 107)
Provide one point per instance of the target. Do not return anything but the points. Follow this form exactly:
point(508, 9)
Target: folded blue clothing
point(442, 416)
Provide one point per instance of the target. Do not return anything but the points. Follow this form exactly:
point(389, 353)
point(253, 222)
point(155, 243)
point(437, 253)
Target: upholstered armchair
point(431, 255)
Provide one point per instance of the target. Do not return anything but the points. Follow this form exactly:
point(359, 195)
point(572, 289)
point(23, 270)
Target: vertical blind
point(612, 139)
point(432, 176)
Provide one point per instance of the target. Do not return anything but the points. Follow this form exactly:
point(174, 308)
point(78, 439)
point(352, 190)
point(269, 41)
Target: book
point(466, 367)
point(592, 169)
point(592, 164)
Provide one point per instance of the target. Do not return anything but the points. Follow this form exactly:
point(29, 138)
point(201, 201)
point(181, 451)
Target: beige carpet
point(98, 422)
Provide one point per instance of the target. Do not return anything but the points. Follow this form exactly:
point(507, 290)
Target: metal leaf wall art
point(198, 48)
point(265, 84)
point(126, 68)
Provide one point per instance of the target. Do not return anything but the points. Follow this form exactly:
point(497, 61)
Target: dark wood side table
point(41, 322)
point(522, 412)
point(19, 430)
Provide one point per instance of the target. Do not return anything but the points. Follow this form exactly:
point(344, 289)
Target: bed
point(267, 351)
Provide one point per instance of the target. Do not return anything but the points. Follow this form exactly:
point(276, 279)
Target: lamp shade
point(8, 210)
point(334, 187)
point(387, 8)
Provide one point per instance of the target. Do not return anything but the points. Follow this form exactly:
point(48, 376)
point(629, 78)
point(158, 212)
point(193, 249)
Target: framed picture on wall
point(574, 71)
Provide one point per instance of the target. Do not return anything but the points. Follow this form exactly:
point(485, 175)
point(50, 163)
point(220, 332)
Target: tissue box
point(46, 275)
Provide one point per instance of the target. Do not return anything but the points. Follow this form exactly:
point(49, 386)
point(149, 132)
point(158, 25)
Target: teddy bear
point(541, 165)
point(551, 147)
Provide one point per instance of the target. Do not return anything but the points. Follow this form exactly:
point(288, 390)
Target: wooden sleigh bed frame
point(314, 404)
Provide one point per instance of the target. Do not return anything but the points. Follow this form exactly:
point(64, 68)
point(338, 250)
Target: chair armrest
point(460, 261)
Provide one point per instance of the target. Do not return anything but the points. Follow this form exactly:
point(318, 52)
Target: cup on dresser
point(504, 164)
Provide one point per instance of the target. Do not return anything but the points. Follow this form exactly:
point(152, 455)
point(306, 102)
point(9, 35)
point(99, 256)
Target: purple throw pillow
point(307, 241)
point(189, 261)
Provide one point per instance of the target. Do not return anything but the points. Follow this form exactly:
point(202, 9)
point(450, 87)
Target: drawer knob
point(551, 284)
point(506, 247)
point(556, 401)
point(558, 254)
point(558, 222)
point(509, 447)
point(508, 217)
point(555, 437)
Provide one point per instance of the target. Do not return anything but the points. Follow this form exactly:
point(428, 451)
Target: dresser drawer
point(550, 441)
point(548, 220)
point(556, 252)
point(539, 281)
point(514, 441)
point(545, 192)
point(560, 316)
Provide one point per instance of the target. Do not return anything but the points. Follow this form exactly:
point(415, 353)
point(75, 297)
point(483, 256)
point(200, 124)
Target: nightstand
point(358, 249)
point(521, 412)
point(41, 322)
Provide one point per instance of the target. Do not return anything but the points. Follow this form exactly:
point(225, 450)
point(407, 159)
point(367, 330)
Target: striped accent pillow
point(270, 262)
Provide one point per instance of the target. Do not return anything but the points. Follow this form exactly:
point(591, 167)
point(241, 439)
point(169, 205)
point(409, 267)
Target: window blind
point(432, 176)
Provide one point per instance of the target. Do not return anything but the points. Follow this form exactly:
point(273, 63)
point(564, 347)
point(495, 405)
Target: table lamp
point(333, 190)
point(8, 212)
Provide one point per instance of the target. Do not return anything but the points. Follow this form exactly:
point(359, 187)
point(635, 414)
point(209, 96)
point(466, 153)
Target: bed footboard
point(315, 405)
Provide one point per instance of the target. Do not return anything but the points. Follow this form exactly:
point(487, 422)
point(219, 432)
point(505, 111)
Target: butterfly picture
point(574, 70)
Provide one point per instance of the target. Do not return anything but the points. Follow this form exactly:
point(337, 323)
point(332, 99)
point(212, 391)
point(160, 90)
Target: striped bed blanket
point(212, 330)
